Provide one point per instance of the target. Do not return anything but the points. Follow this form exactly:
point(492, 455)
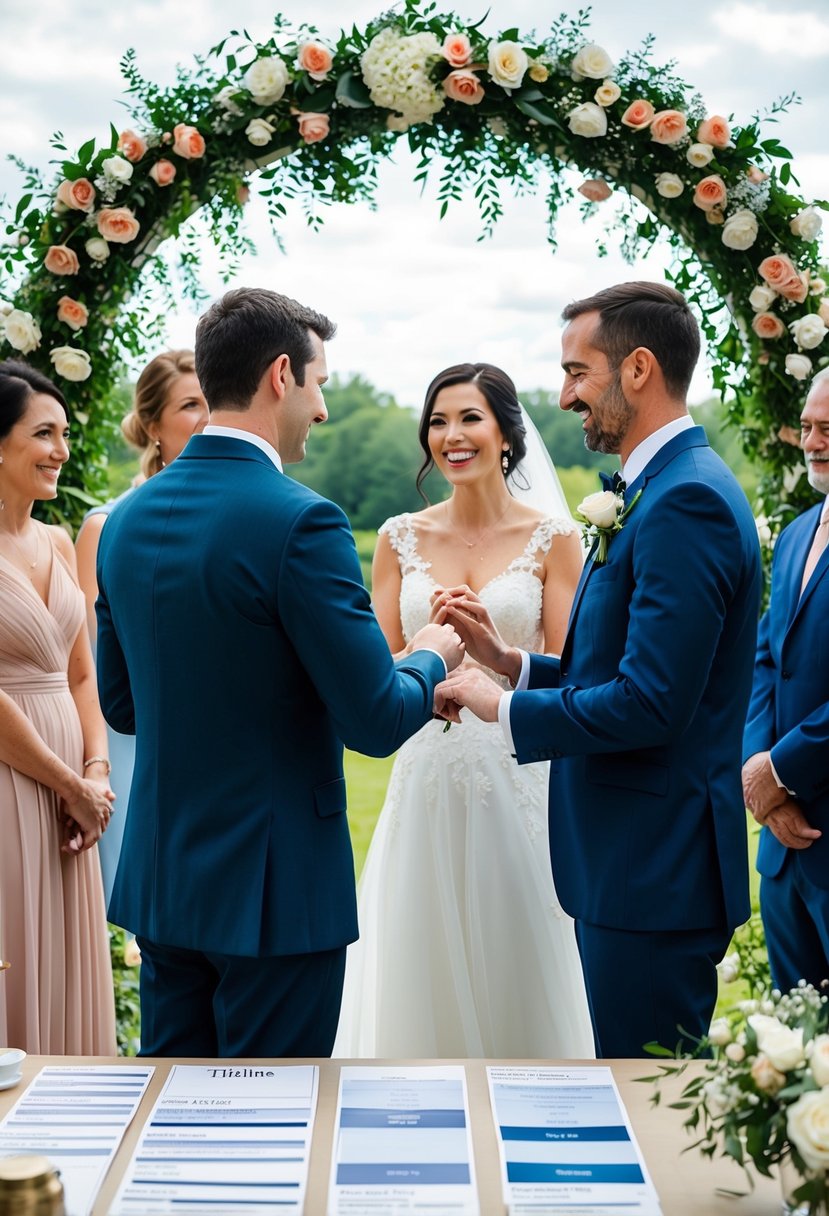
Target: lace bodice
point(513, 597)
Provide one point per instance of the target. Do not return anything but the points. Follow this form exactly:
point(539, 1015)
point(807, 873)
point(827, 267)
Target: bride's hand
point(463, 608)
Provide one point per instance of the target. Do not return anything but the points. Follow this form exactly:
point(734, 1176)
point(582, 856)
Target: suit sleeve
point(687, 559)
point(375, 705)
point(801, 757)
point(114, 689)
point(545, 671)
point(759, 731)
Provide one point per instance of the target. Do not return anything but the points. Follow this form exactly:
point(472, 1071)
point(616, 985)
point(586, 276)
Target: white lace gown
point(464, 948)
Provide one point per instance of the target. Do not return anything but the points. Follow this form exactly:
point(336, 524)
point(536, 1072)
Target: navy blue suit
point(237, 641)
point(642, 719)
point(789, 716)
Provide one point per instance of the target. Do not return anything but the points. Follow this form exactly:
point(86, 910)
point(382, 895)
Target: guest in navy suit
point(786, 774)
point(642, 714)
point(237, 641)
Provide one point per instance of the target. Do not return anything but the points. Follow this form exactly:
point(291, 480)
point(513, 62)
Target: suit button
point(563, 674)
point(785, 675)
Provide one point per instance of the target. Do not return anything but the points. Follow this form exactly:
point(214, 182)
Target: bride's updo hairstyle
point(152, 393)
point(499, 392)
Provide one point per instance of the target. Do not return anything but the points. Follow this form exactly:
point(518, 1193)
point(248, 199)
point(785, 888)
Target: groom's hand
point(761, 792)
point(469, 688)
point(464, 609)
point(790, 826)
point(444, 640)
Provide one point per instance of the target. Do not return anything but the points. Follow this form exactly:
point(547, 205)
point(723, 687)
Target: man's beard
point(818, 474)
point(616, 416)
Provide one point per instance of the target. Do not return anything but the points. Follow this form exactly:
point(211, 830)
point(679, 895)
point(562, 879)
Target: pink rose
point(72, 312)
point(187, 142)
point(117, 224)
point(779, 272)
point(242, 195)
point(823, 310)
point(668, 127)
point(60, 259)
point(756, 175)
point(132, 145)
point(595, 189)
point(163, 172)
point(716, 131)
point(711, 193)
point(315, 59)
point(79, 195)
point(767, 325)
point(795, 289)
point(457, 50)
point(464, 86)
point(313, 127)
point(638, 115)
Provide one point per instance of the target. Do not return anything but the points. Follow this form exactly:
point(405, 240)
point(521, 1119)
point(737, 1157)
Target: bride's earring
point(158, 450)
point(505, 460)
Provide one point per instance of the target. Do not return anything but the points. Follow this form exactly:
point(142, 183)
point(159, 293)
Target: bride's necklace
point(471, 544)
point(32, 565)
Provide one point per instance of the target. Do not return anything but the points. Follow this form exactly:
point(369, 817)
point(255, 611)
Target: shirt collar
point(232, 432)
point(644, 452)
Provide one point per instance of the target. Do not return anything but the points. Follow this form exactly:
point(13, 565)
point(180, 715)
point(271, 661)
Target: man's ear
point(278, 374)
point(638, 370)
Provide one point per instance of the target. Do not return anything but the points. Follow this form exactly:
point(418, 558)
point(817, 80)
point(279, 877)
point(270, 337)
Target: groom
point(237, 641)
point(643, 712)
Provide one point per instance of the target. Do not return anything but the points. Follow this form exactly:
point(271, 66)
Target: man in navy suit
point(642, 714)
point(786, 773)
point(237, 641)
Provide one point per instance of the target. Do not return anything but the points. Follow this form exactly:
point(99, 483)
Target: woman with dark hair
point(465, 950)
point(56, 995)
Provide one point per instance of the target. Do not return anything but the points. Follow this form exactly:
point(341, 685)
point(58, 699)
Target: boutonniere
point(604, 514)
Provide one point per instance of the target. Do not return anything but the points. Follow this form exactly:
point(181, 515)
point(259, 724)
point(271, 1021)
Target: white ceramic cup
point(11, 1059)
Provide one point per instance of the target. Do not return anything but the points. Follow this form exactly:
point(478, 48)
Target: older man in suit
point(786, 773)
point(237, 641)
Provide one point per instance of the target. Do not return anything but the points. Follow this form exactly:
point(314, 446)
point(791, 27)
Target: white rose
point(71, 363)
point(719, 1032)
point(735, 1052)
point(782, 1045)
point(507, 63)
point(22, 331)
point(592, 61)
point(808, 332)
point(5, 308)
point(729, 968)
point(226, 98)
point(819, 1059)
point(117, 169)
point(259, 132)
point(816, 286)
point(97, 249)
point(807, 1124)
point(588, 119)
point(806, 224)
point(669, 185)
point(266, 80)
point(740, 230)
point(762, 298)
point(601, 508)
point(607, 92)
point(799, 366)
point(700, 155)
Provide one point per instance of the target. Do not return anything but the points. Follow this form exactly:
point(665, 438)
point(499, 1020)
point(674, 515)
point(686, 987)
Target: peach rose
point(163, 172)
point(638, 115)
point(187, 142)
point(316, 59)
point(767, 325)
point(117, 224)
point(79, 195)
point(457, 50)
point(464, 86)
point(539, 72)
point(668, 127)
point(715, 131)
point(711, 193)
point(823, 310)
point(132, 145)
point(72, 312)
point(779, 272)
point(313, 127)
point(60, 259)
point(756, 175)
point(595, 189)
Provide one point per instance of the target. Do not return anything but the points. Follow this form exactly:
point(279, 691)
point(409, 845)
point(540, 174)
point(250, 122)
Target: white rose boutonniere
point(604, 514)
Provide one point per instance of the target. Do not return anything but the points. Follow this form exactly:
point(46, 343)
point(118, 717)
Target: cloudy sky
point(412, 294)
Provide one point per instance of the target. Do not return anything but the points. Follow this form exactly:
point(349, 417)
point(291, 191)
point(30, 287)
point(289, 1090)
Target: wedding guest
point(168, 408)
point(55, 800)
point(642, 715)
point(464, 947)
point(786, 745)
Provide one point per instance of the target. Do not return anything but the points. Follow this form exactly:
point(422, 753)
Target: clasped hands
point(773, 806)
point(85, 815)
point(468, 686)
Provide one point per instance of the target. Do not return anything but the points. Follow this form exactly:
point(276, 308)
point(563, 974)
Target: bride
point(465, 950)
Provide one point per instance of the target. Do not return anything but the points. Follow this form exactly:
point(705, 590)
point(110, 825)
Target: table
point(686, 1182)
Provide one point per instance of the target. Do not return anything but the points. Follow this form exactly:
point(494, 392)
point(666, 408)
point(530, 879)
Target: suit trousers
point(196, 1003)
point(649, 987)
point(796, 921)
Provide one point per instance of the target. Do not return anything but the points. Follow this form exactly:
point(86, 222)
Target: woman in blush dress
point(464, 948)
point(56, 996)
point(169, 407)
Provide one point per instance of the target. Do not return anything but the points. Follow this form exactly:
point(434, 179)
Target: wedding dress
point(464, 948)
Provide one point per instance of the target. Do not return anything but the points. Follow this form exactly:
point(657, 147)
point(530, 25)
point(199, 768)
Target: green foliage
point(125, 982)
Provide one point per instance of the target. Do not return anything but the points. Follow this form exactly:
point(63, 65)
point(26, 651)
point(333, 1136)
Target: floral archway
point(309, 120)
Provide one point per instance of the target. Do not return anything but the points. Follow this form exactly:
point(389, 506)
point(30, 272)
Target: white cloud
point(797, 33)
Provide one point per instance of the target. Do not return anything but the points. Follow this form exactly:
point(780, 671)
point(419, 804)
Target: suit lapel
point(798, 562)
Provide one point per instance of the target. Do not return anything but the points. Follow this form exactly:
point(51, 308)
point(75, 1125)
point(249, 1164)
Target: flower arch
point(309, 120)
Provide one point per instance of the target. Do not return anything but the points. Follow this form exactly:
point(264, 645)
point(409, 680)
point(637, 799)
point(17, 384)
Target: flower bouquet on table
point(763, 1099)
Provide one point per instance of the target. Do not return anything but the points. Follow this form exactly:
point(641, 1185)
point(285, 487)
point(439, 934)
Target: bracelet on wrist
point(97, 760)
